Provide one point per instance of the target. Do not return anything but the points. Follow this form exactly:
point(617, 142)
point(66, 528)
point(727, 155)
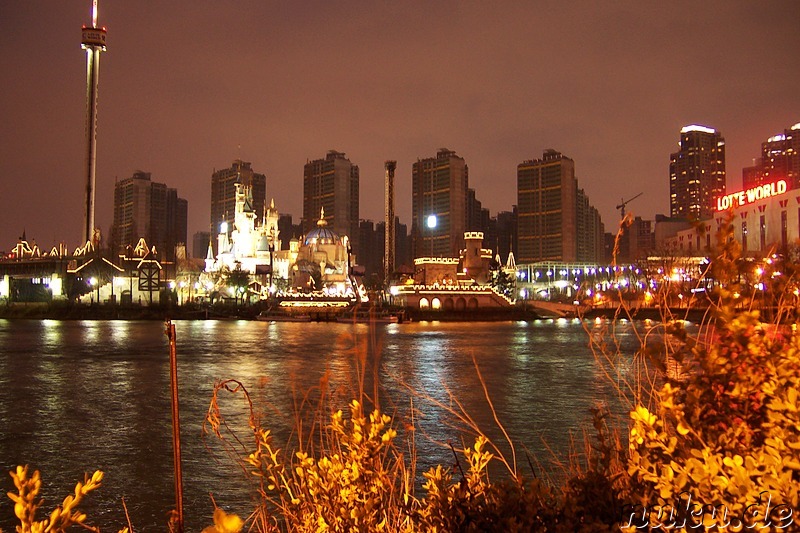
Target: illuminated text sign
point(738, 199)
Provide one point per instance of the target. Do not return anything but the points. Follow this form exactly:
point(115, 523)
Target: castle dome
point(321, 234)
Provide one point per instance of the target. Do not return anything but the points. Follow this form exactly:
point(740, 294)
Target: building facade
point(439, 204)
point(505, 232)
point(200, 242)
point(697, 173)
point(634, 243)
point(555, 221)
point(223, 192)
point(332, 184)
point(780, 160)
point(149, 210)
point(765, 219)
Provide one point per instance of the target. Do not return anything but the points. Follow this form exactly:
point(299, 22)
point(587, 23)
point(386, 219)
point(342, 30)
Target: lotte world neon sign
point(742, 198)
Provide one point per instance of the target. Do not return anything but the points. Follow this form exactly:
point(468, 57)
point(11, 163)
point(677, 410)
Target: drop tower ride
point(93, 40)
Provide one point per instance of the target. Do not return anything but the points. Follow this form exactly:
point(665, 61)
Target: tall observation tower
point(93, 41)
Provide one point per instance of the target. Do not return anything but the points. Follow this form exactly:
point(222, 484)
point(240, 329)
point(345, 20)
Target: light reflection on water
point(75, 396)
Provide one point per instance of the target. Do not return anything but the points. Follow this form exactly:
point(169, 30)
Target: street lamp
point(93, 283)
point(431, 222)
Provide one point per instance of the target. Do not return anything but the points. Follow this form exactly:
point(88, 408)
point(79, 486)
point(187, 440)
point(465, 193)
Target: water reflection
point(75, 396)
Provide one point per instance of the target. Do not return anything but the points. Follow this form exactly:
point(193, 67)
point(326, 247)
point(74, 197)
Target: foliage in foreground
point(721, 447)
point(357, 479)
point(26, 504)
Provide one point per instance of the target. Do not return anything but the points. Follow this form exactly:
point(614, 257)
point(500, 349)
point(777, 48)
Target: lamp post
point(94, 283)
point(431, 223)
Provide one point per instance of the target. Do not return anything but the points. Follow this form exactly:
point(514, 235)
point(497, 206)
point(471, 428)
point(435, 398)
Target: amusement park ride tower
point(93, 41)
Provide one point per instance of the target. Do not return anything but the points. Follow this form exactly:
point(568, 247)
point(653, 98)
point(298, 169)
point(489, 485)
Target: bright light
point(696, 127)
point(92, 281)
point(56, 285)
point(172, 285)
point(223, 228)
point(431, 221)
point(394, 290)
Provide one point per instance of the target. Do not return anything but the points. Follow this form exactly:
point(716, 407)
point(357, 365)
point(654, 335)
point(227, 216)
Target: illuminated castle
point(320, 263)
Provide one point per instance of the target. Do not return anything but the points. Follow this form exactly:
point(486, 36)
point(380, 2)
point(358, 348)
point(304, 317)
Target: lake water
point(84, 395)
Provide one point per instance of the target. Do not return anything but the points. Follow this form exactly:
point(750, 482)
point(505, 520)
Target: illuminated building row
point(765, 219)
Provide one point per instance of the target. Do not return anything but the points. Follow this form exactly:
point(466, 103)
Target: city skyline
point(610, 86)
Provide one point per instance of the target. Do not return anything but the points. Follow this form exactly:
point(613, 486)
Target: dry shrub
point(27, 503)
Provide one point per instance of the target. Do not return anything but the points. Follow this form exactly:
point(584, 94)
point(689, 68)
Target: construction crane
point(623, 203)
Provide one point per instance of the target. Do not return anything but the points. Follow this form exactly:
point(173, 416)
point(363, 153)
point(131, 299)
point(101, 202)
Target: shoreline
point(64, 311)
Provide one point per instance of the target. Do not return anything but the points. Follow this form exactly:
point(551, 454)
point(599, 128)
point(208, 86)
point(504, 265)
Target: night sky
point(186, 87)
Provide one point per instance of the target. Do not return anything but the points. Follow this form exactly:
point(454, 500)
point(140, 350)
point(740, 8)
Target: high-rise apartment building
point(200, 241)
point(439, 205)
point(288, 230)
point(780, 160)
point(372, 240)
point(555, 221)
point(144, 208)
point(697, 173)
point(505, 240)
point(223, 193)
point(332, 183)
